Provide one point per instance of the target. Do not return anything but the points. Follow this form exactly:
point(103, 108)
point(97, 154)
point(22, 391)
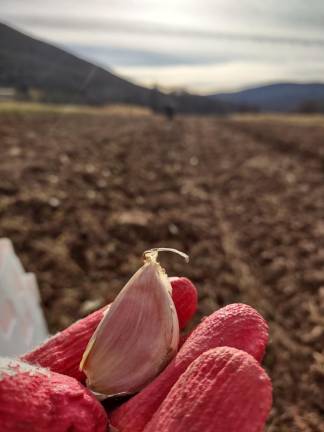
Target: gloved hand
point(214, 383)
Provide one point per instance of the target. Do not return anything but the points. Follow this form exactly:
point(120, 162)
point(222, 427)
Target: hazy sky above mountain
point(201, 45)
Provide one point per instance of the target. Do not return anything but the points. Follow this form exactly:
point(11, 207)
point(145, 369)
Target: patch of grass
point(301, 119)
point(33, 107)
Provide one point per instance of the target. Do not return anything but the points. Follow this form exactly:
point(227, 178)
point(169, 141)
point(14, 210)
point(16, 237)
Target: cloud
point(132, 57)
point(224, 77)
point(121, 26)
point(202, 45)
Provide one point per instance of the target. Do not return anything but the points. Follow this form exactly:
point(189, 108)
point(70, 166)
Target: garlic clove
point(137, 337)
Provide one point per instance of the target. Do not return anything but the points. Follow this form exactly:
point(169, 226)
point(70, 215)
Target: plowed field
point(82, 195)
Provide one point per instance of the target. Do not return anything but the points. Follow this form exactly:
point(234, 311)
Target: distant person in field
point(169, 111)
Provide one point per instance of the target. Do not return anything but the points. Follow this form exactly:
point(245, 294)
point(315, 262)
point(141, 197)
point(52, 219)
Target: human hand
point(214, 384)
point(205, 387)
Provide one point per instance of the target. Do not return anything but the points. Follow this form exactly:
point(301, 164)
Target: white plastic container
point(22, 324)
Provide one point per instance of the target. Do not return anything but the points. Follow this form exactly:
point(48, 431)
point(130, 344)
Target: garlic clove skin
point(136, 338)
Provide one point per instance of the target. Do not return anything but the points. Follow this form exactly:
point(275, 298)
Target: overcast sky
point(200, 45)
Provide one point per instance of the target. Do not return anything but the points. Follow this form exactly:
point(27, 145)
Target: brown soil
point(82, 196)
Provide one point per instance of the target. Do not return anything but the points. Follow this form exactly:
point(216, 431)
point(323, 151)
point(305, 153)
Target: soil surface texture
point(82, 195)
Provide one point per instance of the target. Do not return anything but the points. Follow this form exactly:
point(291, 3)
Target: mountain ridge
point(58, 76)
point(278, 97)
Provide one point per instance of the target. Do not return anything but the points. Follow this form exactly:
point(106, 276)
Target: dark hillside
point(279, 97)
point(34, 67)
point(26, 63)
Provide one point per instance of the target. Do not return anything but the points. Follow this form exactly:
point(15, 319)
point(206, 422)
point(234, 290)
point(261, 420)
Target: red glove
point(207, 387)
